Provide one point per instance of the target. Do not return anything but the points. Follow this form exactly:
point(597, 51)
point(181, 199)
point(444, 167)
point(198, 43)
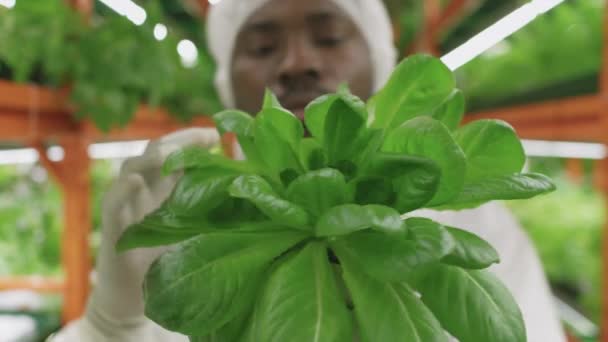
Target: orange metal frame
point(33, 115)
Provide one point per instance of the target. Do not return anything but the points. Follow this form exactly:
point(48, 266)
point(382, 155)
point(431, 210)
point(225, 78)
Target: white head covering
point(226, 18)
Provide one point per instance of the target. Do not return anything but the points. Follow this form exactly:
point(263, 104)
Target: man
point(300, 50)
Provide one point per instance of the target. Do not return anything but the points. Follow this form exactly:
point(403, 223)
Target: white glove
point(115, 311)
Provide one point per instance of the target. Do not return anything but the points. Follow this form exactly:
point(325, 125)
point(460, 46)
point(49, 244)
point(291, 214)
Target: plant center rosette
point(310, 238)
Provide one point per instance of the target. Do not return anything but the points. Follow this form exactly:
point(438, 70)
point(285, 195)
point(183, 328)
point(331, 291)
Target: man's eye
point(329, 41)
point(263, 50)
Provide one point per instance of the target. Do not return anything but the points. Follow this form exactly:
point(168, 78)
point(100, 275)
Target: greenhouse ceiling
point(535, 63)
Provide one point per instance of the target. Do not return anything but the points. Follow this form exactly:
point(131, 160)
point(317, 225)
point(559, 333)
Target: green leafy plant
point(310, 238)
point(37, 40)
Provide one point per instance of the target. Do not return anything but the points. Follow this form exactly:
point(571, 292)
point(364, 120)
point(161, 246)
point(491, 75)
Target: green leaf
point(315, 114)
point(354, 102)
point(414, 180)
point(367, 145)
point(277, 137)
point(492, 149)
point(472, 305)
point(198, 157)
point(164, 227)
point(312, 154)
point(242, 124)
point(224, 212)
point(251, 152)
point(260, 193)
point(271, 100)
point(287, 176)
point(209, 280)
point(388, 311)
point(233, 331)
point(432, 239)
point(233, 121)
point(397, 254)
point(394, 165)
point(317, 191)
point(450, 112)
point(427, 137)
point(470, 251)
point(385, 257)
point(301, 301)
point(518, 186)
point(385, 219)
point(342, 127)
point(342, 220)
point(158, 228)
point(199, 191)
point(348, 218)
point(415, 87)
point(373, 190)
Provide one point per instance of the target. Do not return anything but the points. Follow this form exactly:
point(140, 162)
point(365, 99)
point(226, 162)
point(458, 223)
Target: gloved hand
point(116, 309)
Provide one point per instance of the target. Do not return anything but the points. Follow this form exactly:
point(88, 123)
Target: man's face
point(300, 50)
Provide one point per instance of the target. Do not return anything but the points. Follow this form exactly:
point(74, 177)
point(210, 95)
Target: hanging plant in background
point(194, 91)
point(528, 70)
point(122, 65)
point(305, 240)
point(112, 65)
point(38, 40)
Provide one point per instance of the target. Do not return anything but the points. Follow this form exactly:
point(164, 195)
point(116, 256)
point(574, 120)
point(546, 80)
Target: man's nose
point(301, 64)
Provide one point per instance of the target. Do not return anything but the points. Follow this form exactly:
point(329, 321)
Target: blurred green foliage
point(558, 54)
point(31, 218)
point(29, 223)
point(566, 227)
point(38, 40)
point(111, 64)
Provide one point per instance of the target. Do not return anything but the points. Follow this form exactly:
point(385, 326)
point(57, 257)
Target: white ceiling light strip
point(129, 9)
point(7, 3)
point(571, 317)
point(126, 149)
point(117, 150)
point(111, 150)
point(496, 33)
point(18, 156)
point(564, 149)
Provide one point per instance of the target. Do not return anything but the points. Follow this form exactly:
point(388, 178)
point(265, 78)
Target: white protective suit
point(115, 309)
